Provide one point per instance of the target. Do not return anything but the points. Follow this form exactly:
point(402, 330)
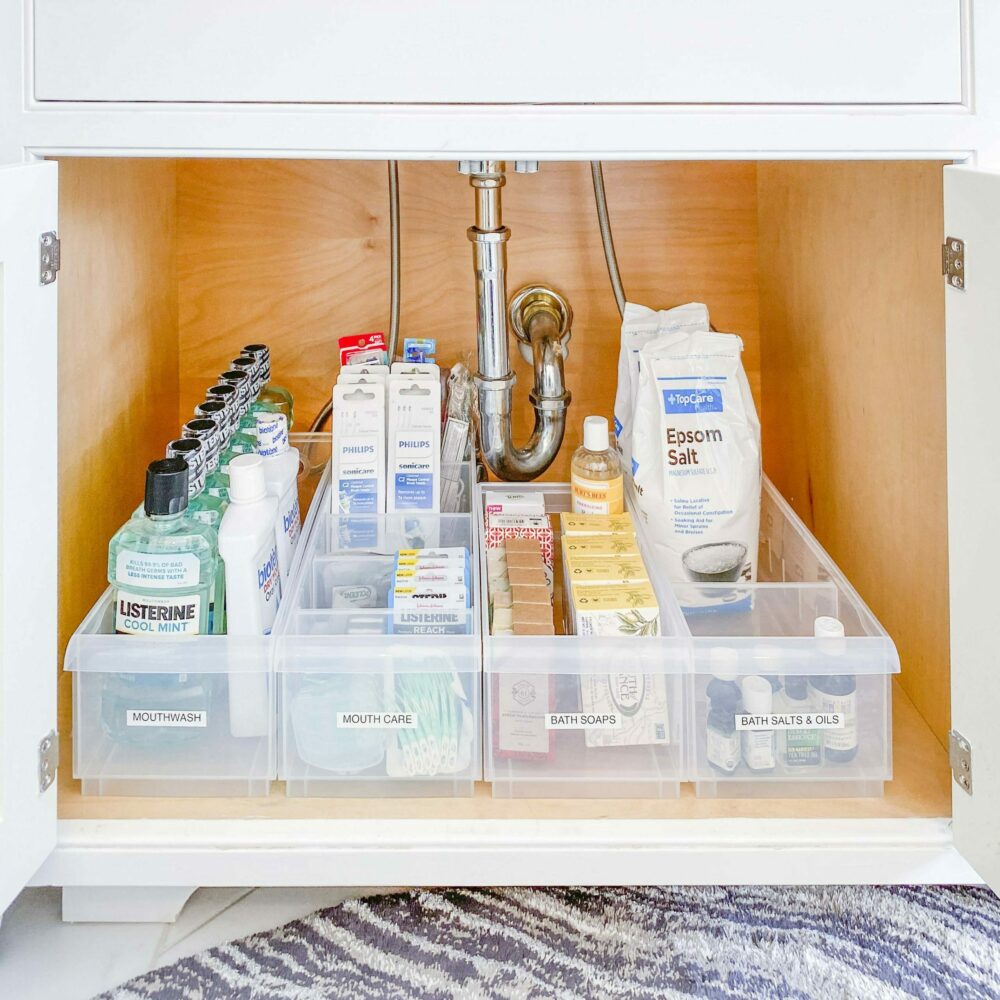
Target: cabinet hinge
point(953, 262)
point(960, 756)
point(48, 760)
point(49, 257)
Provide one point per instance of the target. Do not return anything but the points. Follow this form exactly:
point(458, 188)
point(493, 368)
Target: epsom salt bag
point(696, 460)
point(639, 326)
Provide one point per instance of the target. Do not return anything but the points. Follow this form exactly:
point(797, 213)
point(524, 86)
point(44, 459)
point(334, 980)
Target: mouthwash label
point(140, 614)
point(268, 585)
point(158, 569)
point(597, 496)
point(166, 718)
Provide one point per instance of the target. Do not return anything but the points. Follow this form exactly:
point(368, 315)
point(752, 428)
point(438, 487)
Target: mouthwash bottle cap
point(261, 353)
point(757, 695)
point(191, 451)
point(240, 380)
point(207, 431)
point(166, 487)
point(725, 663)
point(246, 479)
point(247, 364)
point(272, 434)
point(230, 395)
point(595, 433)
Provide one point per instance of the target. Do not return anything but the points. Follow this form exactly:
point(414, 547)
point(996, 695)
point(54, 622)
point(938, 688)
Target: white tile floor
point(41, 958)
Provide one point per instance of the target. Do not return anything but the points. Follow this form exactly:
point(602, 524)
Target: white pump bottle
point(281, 473)
point(249, 548)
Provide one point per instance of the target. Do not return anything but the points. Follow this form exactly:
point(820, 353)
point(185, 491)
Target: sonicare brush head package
point(359, 449)
point(640, 325)
point(696, 451)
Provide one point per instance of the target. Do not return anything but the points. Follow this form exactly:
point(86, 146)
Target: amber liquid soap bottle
point(596, 472)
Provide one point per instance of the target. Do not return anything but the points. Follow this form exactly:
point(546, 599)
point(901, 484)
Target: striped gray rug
point(768, 943)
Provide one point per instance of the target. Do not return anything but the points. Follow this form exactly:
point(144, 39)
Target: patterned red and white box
point(536, 526)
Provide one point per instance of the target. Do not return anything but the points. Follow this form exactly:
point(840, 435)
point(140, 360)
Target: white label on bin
point(141, 614)
point(376, 720)
point(159, 717)
point(800, 720)
point(158, 569)
point(583, 720)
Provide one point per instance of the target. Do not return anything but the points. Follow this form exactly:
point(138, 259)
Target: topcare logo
point(692, 400)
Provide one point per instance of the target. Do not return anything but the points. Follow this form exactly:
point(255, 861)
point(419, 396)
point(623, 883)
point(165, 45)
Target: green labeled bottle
point(239, 442)
point(163, 567)
point(209, 433)
point(248, 422)
point(267, 391)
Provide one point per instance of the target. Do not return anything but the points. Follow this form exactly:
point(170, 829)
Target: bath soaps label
point(796, 720)
point(376, 720)
point(152, 570)
point(166, 718)
point(583, 720)
point(140, 614)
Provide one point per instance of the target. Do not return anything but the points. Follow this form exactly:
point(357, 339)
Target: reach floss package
point(696, 458)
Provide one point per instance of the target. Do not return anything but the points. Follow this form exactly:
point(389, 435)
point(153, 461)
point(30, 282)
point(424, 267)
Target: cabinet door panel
point(972, 214)
point(523, 51)
point(28, 208)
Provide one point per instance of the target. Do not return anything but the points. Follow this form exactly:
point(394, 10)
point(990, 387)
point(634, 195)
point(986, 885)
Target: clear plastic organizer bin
point(549, 699)
point(151, 716)
point(377, 701)
point(830, 697)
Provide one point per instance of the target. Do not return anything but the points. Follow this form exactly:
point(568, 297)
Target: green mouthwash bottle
point(248, 422)
point(237, 441)
point(208, 509)
point(267, 391)
point(163, 568)
point(209, 433)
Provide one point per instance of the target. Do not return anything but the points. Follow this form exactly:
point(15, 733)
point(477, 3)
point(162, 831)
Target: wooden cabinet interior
point(829, 271)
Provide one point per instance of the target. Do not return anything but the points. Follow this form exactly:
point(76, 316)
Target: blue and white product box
point(414, 443)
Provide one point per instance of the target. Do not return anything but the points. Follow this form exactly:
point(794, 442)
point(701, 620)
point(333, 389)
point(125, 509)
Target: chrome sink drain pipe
point(541, 319)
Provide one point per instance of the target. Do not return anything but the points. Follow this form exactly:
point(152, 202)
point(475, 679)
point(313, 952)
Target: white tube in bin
point(249, 547)
point(281, 473)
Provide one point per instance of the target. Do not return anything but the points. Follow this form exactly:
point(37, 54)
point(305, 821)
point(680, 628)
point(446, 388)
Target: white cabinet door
point(972, 214)
point(517, 52)
point(28, 507)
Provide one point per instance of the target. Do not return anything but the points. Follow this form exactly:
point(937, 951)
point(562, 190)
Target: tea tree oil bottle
point(596, 472)
point(836, 693)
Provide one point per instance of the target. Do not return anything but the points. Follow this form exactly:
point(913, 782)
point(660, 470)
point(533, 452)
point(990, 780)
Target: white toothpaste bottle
point(281, 473)
point(249, 547)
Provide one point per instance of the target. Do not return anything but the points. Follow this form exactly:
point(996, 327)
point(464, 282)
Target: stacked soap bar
point(610, 592)
point(520, 591)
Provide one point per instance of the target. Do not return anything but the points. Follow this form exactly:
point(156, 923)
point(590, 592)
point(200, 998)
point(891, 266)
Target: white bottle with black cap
point(249, 547)
point(281, 472)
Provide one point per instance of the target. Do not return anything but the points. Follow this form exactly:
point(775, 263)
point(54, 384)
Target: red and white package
point(359, 343)
point(501, 527)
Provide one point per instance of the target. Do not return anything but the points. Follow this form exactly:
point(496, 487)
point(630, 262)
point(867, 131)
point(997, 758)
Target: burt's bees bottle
point(596, 472)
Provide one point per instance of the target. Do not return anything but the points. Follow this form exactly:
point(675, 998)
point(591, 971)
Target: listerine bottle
point(248, 422)
point(163, 568)
point(241, 442)
point(209, 432)
point(242, 382)
point(206, 508)
point(269, 392)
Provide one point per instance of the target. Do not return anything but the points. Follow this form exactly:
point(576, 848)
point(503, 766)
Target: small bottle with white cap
point(596, 476)
point(758, 736)
point(722, 739)
point(836, 694)
point(249, 547)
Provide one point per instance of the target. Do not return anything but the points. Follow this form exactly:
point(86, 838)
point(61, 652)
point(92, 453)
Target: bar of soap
point(596, 524)
point(522, 545)
point(525, 559)
point(531, 614)
point(503, 618)
point(502, 599)
point(529, 594)
point(531, 576)
point(534, 629)
point(599, 545)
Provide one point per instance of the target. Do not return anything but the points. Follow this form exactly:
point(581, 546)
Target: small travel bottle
point(758, 743)
point(281, 472)
point(268, 391)
point(722, 740)
point(836, 694)
point(163, 568)
point(596, 472)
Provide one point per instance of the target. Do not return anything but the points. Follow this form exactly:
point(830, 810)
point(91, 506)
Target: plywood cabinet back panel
point(295, 253)
point(117, 362)
point(852, 333)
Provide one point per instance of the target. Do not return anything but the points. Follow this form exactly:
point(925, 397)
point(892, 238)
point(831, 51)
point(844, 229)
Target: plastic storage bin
point(377, 701)
point(151, 717)
point(537, 685)
point(831, 696)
